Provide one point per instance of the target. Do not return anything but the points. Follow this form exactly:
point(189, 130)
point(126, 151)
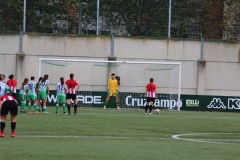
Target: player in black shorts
point(150, 95)
point(8, 103)
point(71, 93)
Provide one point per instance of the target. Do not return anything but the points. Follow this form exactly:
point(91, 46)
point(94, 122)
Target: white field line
point(178, 137)
point(110, 114)
point(234, 140)
point(95, 137)
point(175, 137)
point(134, 114)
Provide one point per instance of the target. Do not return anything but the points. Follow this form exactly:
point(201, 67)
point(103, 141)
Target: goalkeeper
point(112, 91)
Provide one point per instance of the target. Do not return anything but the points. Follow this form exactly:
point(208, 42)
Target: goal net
point(93, 76)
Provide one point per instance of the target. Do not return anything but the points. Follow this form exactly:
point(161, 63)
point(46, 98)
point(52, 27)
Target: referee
point(8, 103)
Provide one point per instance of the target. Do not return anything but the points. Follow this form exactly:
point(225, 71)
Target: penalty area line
point(179, 137)
point(94, 137)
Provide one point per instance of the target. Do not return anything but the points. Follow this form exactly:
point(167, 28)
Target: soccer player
point(39, 102)
point(71, 94)
point(12, 83)
point(112, 91)
point(3, 76)
point(151, 95)
point(22, 95)
point(31, 95)
point(8, 103)
point(61, 95)
point(3, 87)
point(43, 90)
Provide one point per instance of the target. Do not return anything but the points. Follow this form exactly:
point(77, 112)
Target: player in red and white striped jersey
point(12, 83)
point(71, 93)
point(8, 103)
point(3, 87)
point(151, 95)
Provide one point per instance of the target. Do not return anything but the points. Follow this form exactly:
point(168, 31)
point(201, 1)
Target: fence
point(192, 19)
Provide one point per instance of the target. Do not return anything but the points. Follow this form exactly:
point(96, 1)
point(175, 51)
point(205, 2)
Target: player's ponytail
point(45, 78)
point(0, 77)
point(25, 81)
point(62, 80)
point(40, 78)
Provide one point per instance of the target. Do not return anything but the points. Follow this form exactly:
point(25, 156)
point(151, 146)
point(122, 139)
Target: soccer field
point(123, 134)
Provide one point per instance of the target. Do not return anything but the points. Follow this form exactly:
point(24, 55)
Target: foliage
point(11, 15)
point(190, 18)
point(46, 16)
point(139, 16)
point(232, 20)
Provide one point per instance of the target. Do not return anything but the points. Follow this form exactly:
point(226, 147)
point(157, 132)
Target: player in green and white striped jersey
point(22, 95)
point(61, 95)
point(31, 95)
point(3, 86)
point(43, 89)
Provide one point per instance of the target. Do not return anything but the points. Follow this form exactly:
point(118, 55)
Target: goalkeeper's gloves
point(108, 92)
point(116, 92)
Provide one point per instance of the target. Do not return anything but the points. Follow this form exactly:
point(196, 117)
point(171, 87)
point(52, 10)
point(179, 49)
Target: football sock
point(146, 108)
point(150, 109)
point(69, 108)
point(2, 126)
point(117, 103)
point(106, 102)
point(57, 105)
point(35, 107)
point(44, 108)
point(13, 126)
point(29, 107)
point(75, 108)
point(23, 105)
point(64, 108)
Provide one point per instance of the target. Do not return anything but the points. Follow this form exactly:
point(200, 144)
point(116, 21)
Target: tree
point(231, 20)
point(11, 15)
point(58, 16)
point(140, 17)
point(212, 19)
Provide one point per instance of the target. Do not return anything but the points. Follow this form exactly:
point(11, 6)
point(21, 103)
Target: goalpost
point(93, 76)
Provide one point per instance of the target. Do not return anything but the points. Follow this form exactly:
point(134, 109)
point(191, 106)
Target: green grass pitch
point(123, 134)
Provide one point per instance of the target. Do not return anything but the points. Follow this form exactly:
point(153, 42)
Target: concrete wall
point(217, 75)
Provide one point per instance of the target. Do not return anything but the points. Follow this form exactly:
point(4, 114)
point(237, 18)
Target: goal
point(93, 76)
